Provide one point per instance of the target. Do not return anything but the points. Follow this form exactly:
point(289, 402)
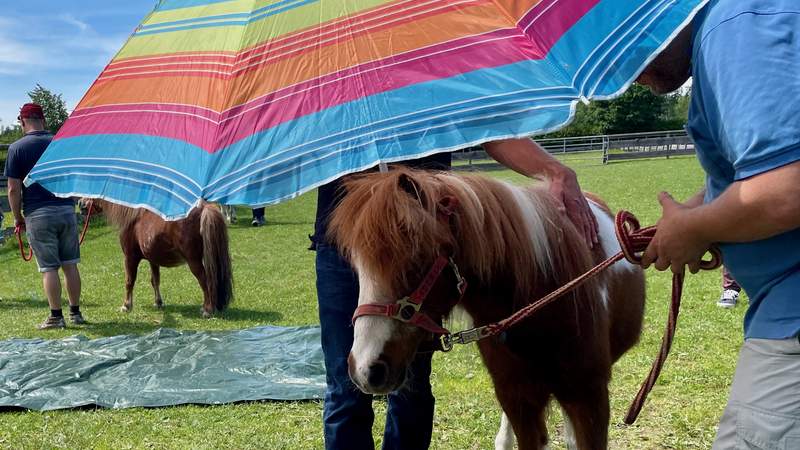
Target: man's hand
point(526, 157)
point(677, 242)
point(564, 187)
point(19, 224)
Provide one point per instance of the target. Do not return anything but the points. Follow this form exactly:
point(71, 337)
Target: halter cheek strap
point(407, 309)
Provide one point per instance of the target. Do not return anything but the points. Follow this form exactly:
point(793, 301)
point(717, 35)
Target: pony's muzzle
point(376, 378)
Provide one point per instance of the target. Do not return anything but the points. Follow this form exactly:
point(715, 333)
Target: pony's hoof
point(158, 305)
point(124, 309)
point(206, 314)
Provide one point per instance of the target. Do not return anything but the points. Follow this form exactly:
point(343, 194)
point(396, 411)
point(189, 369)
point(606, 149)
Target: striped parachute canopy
point(253, 102)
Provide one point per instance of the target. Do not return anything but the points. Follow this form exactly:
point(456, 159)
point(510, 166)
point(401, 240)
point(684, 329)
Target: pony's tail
point(216, 257)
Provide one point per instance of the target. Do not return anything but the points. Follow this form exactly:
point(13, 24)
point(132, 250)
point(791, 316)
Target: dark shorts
point(54, 240)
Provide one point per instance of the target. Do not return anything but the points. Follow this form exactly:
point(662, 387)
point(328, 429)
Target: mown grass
point(275, 285)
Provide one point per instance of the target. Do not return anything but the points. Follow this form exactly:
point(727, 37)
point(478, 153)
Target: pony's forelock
point(390, 229)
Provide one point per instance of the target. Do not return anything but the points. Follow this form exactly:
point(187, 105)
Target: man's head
point(672, 67)
point(31, 117)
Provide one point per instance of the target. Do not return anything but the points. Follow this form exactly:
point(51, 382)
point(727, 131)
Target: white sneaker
point(728, 298)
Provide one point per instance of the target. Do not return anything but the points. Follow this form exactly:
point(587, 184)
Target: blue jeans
point(348, 416)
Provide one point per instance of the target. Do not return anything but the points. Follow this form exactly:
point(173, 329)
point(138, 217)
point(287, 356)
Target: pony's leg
point(527, 417)
point(505, 435)
point(588, 411)
point(200, 274)
point(131, 269)
point(155, 280)
point(569, 432)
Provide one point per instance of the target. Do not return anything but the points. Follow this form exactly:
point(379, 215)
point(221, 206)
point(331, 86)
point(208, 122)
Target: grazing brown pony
point(200, 240)
point(512, 246)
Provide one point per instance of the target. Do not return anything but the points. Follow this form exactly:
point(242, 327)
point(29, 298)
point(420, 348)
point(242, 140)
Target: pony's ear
point(408, 184)
point(447, 205)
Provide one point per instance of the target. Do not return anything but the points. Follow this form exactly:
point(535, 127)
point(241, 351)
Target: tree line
point(638, 110)
point(55, 114)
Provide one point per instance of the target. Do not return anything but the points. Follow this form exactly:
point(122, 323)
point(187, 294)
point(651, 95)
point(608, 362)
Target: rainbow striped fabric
point(253, 102)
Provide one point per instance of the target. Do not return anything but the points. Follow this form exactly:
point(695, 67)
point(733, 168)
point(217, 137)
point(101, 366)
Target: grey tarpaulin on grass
point(166, 367)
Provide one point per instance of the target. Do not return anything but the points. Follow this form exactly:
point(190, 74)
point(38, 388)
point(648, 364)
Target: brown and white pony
point(513, 246)
point(200, 240)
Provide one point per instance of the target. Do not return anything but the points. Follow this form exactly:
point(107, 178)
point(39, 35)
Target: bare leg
point(131, 269)
point(200, 273)
point(52, 288)
point(72, 278)
point(155, 280)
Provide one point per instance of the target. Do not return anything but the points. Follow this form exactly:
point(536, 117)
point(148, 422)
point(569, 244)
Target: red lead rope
point(633, 241)
point(29, 256)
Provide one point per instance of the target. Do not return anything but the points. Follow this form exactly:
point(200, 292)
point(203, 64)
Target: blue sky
point(61, 44)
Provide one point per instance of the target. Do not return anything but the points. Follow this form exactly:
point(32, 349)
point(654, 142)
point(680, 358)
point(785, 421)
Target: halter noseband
point(407, 309)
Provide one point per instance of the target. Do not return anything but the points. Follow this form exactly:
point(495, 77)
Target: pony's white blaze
point(370, 333)
point(608, 238)
point(529, 206)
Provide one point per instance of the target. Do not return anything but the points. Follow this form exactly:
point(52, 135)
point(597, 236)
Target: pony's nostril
point(378, 373)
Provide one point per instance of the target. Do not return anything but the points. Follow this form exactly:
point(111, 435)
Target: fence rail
point(614, 147)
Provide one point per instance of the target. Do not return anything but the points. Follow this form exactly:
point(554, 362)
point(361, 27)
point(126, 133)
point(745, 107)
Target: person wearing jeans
point(49, 221)
point(347, 412)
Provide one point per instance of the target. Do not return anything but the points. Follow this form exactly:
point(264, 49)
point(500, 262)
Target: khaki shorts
point(54, 240)
point(763, 410)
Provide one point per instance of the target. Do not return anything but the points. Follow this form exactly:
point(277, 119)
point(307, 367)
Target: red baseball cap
point(31, 111)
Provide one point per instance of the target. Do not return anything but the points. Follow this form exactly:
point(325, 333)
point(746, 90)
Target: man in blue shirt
point(744, 59)
point(49, 220)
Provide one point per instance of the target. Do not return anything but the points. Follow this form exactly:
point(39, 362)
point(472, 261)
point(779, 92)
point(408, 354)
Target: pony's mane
point(119, 215)
point(390, 221)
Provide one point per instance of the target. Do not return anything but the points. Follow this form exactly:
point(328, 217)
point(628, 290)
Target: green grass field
point(275, 285)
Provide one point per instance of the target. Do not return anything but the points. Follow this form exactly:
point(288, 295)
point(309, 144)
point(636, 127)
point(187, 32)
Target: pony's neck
point(509, 234)
point(118, 215)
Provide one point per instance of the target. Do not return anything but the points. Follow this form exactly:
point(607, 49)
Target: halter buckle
point(461, 283)
point(468, 336)
point(446, 342)
point(406, 309)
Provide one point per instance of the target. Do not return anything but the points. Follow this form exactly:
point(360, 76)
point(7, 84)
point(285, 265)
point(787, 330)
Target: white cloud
point(72, 20)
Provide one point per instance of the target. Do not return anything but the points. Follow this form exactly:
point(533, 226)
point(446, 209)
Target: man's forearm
point(15, 198)
point(525, 157)
point(756, 208)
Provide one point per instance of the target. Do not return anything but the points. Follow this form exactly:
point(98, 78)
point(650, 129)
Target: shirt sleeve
point(747, 68)
point(12, 169)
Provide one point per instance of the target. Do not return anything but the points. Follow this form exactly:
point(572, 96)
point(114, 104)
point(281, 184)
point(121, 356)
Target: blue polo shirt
point(22, 156)
point(744, 118)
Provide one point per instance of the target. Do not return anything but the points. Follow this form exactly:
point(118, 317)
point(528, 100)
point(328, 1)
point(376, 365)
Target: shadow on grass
point(115, 328)
point(270, 223)
point(23, 303)
point(232, 314)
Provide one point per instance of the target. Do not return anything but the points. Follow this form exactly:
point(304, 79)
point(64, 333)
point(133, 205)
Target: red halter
point(407, 309)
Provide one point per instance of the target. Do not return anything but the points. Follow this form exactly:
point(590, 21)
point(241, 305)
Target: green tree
point(55, 110)
point(10, 134)
point(637, 110)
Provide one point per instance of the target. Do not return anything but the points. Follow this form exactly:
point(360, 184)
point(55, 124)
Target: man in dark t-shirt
point(347, 412)
point(49, 220)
